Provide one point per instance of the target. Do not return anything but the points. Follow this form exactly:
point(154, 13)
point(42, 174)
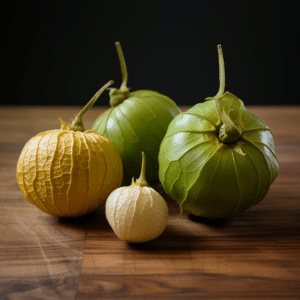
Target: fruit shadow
point(175, 238)
point(216, 223)
point(94, 222)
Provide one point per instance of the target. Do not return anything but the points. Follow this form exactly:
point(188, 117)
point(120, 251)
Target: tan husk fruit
point(137, 213)
point(69, 172)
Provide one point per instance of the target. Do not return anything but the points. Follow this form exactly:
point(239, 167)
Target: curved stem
point(221, 75)
point(142, 179)
point(77, 124)
point(123, 67)
point(117, 96)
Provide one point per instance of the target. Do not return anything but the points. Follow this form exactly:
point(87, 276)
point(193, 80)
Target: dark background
point(62, 52)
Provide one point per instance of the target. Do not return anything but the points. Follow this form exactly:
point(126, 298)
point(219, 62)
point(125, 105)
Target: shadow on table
point(95, 221)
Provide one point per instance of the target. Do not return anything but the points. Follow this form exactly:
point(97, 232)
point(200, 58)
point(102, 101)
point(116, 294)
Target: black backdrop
point(62, 52)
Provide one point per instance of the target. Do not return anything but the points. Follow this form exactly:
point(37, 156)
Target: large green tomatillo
point(136, 122)
point(217, 159)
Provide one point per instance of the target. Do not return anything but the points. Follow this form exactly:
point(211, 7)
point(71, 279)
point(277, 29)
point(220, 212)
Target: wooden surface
point(255, 255)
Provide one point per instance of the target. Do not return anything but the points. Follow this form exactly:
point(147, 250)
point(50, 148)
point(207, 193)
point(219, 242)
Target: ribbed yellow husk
point(69, 173)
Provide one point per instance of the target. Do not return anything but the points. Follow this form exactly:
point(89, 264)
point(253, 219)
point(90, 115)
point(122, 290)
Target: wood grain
point(40, 256)
point(255, 255)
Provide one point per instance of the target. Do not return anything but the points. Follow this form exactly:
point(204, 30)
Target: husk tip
point(132, 181)
point(63, 124)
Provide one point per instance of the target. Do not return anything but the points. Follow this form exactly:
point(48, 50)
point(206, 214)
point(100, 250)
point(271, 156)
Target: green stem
point(77, 124)
point(123, 67)
point(221, 75)
point(229, 132)
point(117, 96)
point(142, 179)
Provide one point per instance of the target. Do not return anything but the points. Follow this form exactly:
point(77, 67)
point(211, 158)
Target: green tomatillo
point(217, 159)
point(136, 122)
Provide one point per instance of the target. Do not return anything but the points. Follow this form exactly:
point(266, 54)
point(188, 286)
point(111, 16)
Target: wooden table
point(255, 255)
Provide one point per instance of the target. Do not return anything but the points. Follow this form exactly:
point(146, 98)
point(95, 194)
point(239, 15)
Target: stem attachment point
point(229, 132)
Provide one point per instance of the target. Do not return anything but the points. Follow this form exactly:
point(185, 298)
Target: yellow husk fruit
point(69, 172)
